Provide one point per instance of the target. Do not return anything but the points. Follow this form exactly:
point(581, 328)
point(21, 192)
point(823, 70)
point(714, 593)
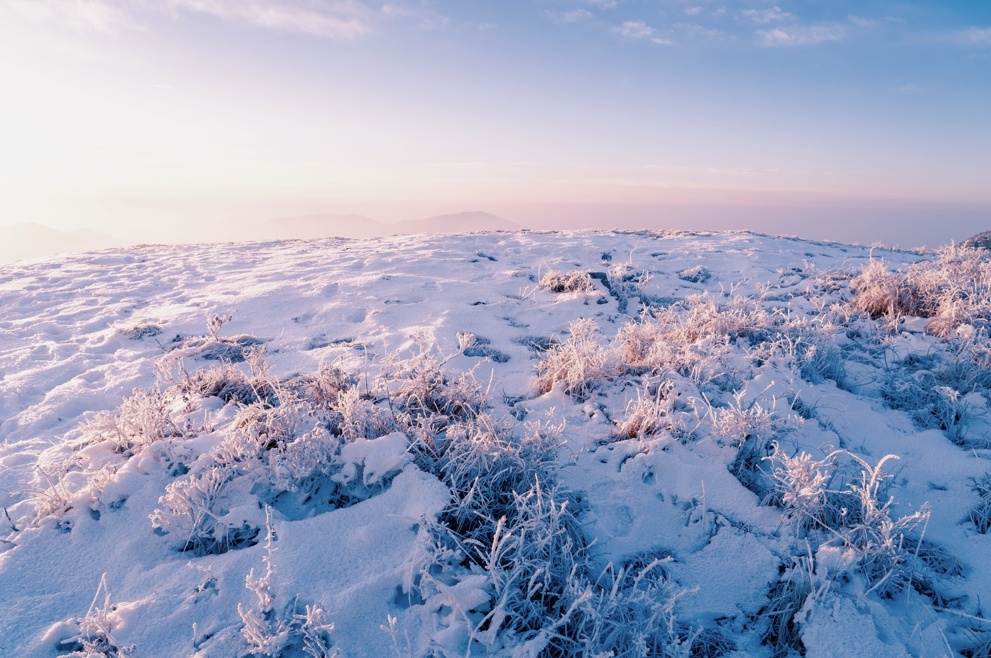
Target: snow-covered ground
point(409, 446)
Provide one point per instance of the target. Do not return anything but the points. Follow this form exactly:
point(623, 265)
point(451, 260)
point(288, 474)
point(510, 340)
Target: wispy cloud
point(603, 4)
point(81, 15)
point(332, 19)
point(861, 21)
point(974, 36)
point(696, 30)
point(801, 35)
point(693, 11)
point(570, 17)
point(345, 19)
point(638, 30)
point(764, 16)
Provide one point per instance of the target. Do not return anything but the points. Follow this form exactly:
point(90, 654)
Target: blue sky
point(803, 117)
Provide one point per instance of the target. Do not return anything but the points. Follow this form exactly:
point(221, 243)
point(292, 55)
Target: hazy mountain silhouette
point(30, 240)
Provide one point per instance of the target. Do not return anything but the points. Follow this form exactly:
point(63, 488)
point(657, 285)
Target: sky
point(171, 119)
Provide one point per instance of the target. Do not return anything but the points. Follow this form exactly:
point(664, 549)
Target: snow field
point(509, 444)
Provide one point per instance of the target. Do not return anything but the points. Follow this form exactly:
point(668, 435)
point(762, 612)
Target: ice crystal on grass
point(95, 638)
point(980, 514)
point(579, 363)
point(576, 281)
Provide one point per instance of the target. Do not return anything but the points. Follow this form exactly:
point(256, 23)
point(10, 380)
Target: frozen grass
point(295, 629)
point(580, 363)
point(980, 514)
point(95, 638)
point(575, 281)
point(952, 291)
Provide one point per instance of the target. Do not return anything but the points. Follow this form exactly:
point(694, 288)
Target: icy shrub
point(575, 281)
point(144, 417)
point(359, 417)
point(323, 388)
point(882, 544)
point(214, 347)
point(304, 466)
point(751, 428)
point(952, 290)
point(226, 380)
point(485, 467)
point(261, 426)
point(579, 363)
point(650, 413)
point(801, 486)
point(890, 554)
point(630, 613)
point(272, 633)
point(49, 494)
point(194, 511)
point(788, 600)
point(625, 284)
point(810, 349)
point(510, 527)
point(532, 556)
point(319, 472)
point(697, 274)
point(424, 391)
point(980, 514)
point(879, 292)
point(931, 403)
point(95, 638)
point(690, 337)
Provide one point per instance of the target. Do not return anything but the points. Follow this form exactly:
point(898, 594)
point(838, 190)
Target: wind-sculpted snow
point(501, 444)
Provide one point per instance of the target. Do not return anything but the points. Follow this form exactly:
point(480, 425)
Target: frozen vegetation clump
point(95, 638)
point(980, 514)
point(575, 281)
point(295, 629)
point(951, 291)
point(580, 363)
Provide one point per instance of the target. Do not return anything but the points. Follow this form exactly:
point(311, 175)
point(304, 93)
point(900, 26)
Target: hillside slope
point(506, 444)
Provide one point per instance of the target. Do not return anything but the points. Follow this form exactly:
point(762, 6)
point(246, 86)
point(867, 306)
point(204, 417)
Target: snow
point(80, 334)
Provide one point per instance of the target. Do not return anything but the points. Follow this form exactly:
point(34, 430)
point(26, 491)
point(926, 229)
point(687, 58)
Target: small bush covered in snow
point(576, 281)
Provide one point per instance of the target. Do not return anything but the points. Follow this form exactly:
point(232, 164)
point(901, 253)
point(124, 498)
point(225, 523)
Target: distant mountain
point(311, 227)
point(29, 240)
point(979, 241)
point(462, 222)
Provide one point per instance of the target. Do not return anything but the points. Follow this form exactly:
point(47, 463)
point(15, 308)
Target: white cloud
point(640, 30)
point(801, 35)
point(693, 11)
point(336, 19)
point(573, 16)
point(975, 36)
point(333, 19)
point(81, 15)
point(696, 30)
point(603, 4)
point(764, 16)
point(634, 30)
point(860, 21)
